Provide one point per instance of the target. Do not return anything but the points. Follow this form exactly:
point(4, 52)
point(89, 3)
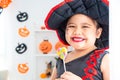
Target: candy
point(62, 53)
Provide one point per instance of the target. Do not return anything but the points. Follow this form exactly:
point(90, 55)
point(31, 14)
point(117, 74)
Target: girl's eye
point(70, 26)
point(85, 26)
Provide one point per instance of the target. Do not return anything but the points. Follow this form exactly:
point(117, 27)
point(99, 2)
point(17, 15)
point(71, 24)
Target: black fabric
point(96, 9)
point(78, 66)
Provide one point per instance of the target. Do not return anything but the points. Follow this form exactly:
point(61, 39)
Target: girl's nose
point(77, 31)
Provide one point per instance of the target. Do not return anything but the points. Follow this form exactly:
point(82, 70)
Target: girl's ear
point(99, 32)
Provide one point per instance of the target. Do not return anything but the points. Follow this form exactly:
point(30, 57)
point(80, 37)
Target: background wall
point(37, 9)
point(114, 39)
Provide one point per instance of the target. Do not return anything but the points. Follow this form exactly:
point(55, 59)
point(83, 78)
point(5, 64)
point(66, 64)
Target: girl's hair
point(96, 23)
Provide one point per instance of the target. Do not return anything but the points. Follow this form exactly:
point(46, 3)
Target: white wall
point(115, 39)
point(37, 11)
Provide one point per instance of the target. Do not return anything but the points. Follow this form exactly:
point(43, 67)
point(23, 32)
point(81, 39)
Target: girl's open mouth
point(77, 39)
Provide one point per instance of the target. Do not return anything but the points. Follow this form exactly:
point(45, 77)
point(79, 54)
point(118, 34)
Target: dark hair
point(97, 24)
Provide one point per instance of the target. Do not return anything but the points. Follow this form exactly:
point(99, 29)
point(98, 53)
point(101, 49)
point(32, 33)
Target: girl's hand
point(69, 76)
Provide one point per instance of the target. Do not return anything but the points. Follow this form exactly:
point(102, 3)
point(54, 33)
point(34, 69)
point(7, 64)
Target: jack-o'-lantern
point(45, 46)
point(4, 3)
point(24, 32)
point(21, 48)
point(23, 68)
point(22, 16)
point(59, 45)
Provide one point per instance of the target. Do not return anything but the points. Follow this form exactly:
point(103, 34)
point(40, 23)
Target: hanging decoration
point(23, 68)
point(21, 48)
point(4, 3)
point(45, 46)
point(22, 16)
point(23, 32)
point(1, 9)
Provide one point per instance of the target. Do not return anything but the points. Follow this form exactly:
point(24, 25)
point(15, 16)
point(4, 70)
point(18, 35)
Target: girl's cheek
point(68, 33)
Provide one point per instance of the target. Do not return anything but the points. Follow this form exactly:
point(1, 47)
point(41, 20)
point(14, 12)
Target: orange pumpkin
point(23, 68)
point(45, 46)
point(43, 75)
point(59, 45)
point(24, 32)
point(4, 3)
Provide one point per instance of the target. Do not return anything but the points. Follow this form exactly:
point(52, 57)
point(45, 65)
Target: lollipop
point(62, 53)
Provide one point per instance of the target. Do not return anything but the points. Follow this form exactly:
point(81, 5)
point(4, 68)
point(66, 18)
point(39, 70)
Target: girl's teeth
point(77, 39)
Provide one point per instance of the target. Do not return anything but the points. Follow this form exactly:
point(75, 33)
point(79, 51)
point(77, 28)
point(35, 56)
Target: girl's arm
point(54, 74)
point(105, 68)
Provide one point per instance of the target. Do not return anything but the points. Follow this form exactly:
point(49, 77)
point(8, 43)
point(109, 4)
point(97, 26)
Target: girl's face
point(81, 32)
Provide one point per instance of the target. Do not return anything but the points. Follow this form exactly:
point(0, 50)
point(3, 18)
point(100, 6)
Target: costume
point(87, 67)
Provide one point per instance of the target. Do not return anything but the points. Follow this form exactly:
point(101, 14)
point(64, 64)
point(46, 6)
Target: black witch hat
point(96, 9)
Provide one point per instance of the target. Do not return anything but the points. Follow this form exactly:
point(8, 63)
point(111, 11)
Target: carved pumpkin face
point(4, 3)
point(22, 16)
point(1, 9)
point(21, 48)
point(24, 32)
point(23, 68)
point(59, 45)
point(45, 46)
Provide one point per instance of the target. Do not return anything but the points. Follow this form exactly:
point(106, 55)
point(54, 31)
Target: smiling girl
point(86, 33)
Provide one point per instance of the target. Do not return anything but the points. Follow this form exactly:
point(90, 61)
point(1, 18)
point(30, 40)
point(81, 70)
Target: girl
point(84, 32)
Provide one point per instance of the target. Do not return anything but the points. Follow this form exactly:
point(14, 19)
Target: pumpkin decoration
point(59, 45)
point(23, 68)
point(21, 48)
point(43, 28)
point(43, 75)
point(48, 71)
point(24, 32)
point(22, 16)
point(1, 9)
point(4, 3)
point(45, 46)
